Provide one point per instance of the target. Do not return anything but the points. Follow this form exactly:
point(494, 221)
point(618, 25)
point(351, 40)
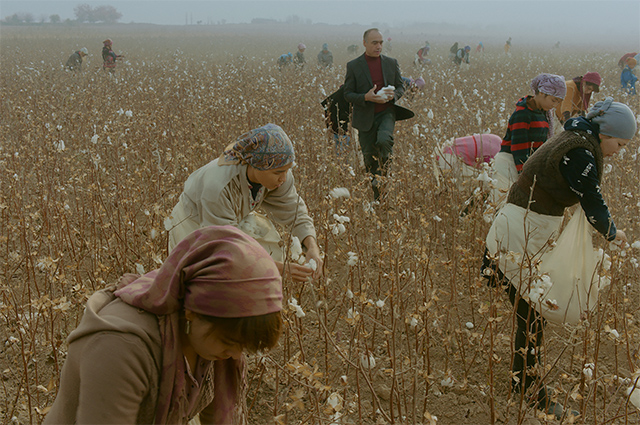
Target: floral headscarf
point(264, 148)
point(215, 271)
point(550, 84)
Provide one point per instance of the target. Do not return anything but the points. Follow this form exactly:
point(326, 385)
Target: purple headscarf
point(215, 271)
point(550, 84)
point(264, 148)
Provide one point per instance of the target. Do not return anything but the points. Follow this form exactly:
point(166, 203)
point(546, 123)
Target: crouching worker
point(253, 172)
point(166, 346)
point(564, 171)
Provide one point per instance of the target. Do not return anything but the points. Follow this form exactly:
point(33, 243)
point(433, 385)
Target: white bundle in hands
point(387, 92)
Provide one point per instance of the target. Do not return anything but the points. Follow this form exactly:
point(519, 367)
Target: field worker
point(166, 346)
point(299, 59)
point(623, 60)
point(374, 111)
point(579, 90)
point(253, 172)
point(337, 114)
point(528, 129)
point(480, 48)
point(325, 57)
point(109, 57)
point(421, 55)
point(74, 63)
point(565, 171)
point(453, 50)
point(628, 78)
point(462, 56)
point(284, 60)
point(412, 86)
point(507, 46)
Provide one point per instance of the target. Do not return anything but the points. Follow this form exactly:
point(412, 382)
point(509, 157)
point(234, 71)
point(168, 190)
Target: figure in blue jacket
point(628, 78)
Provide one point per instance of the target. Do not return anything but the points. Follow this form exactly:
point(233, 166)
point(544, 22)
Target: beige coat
point(112, 369)
point(220, 195)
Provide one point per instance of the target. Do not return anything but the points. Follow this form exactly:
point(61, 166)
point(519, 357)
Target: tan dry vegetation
point(74, 220)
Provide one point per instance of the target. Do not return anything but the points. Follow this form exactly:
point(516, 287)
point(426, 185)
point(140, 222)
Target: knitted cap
point(614, 118)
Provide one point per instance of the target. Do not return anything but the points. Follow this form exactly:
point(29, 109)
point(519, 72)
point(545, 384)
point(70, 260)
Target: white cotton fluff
point(447, 382)
point(539, 287)
point(59, 145)
point(588, 370)
point(341, 218)
point(413, 322)
point(296, 248)
point(387, 92)
point(129, 114)
point(368, 361)
point(94, 139)
point(140, 268)
point(339, 192)
point(380, 303)
point(338, 229)
point(437, 218)
point(312, 264)
point(352, 259)
point(293, 304)
point(635, 245)
point(469, 325)
point(430, 114)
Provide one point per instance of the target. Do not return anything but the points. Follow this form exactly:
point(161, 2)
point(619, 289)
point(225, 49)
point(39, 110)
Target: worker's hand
point(297, 272)
point(370, 96)
point(621, 238)
point(313, 253)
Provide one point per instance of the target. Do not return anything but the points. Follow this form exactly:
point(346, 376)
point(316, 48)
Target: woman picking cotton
point(579, 91)
point(565, 171)
point(528, 128)
point(166, 346)
point(253, 172)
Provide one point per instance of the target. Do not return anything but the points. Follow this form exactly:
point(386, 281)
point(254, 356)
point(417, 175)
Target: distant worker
point(480, 48)
point(337, 113)
point(74, 63)
point(421, 55)
point(507, 46)
point(628, 78)
point(285, 60)
point(623, 60)
point(579, 90)
point(453, 50)
point(462, 55)
point(109, 57)
point(325, 57)
point(299, 59)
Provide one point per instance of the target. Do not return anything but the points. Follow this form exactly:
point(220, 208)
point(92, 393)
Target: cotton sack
point(569, 283)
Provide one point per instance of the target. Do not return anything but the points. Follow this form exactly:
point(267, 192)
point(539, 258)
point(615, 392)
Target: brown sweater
point(112, 369)
point(551, 192)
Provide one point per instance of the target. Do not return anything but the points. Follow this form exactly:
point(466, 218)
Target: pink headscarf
point(215, 271)
point(550, 84)
point(264, 148)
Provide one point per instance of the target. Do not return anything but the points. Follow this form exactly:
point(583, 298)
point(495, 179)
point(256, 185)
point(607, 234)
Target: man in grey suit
point(375, 111)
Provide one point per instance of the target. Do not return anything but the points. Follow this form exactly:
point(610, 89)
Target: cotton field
point(401, 329)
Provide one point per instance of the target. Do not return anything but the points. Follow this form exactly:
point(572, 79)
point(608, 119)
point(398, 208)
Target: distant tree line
point(83, 12)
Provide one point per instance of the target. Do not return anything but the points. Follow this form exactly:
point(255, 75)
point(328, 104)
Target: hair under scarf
point(215, 271)
point(615, 119)
point(264, 148)
point(550, 84)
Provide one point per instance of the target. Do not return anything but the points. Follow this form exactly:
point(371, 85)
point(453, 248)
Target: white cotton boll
point(416, 130)
point(312, 264)
point(437, 218)
point(634, 396)
point(608, 168)
point(94, 139)
point(59, 127)
point(614, 333)
point(59, 145)
point(334, 400)
point(352, 314)
point(129, 114)
point(430, 114)
point(634, 262)
point(349, 294)
point(339, 192)
point(635, 245)
point(469, 325)
point(140, 268)
point(341, 218)
point(153, 233)
point(293, 304)
point(368, 361)
point(447, 382)
point(414, 322)
point(588, 370)
point(120, 111)
point(296, 248)
point(380, 303)
point(352, 258)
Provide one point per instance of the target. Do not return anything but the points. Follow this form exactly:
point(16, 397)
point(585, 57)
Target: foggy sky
point(583, 20)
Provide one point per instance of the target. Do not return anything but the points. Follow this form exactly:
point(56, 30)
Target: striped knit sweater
point(526, 132)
